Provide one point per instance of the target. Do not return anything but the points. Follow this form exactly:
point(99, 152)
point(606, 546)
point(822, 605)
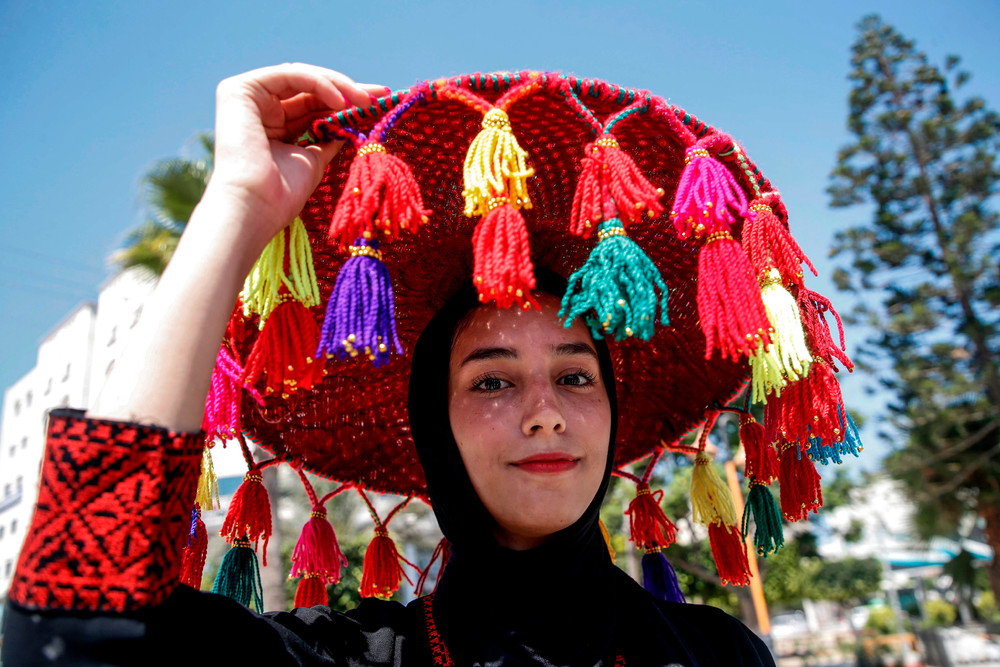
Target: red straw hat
point(674, 244)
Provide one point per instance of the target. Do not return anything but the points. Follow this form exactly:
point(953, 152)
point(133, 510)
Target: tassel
point(769, 534)
point(193, 558)
point(311, 591)
point(730, 554)
point(659, 578)
point(711, 501)
point(825, 452)
point(380, 194)
point(619, 283)
point(361, 312)
point(317, 553)
point(729, 303)
point(268, 284)
point(382, 571)
point(222, 406)
point(239, 576)
point(607, 539)
point(608, 172)
point(495, 166)
point(442, 551)
point(249, 514)
point(208, 483)
point(787, 358)
point(503, 270)
point(769, 244)
point(814, 307)
point(761, 459)
point(282, 352)
point(707, 194)
point(649, 527)
point(801, 491)
point(810, 408)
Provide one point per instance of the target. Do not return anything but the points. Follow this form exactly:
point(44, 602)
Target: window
point(7, 567)
point(48, 387)
point(1, 532)
point(24, 442)
point(12, 450)
point(20, 482)
point(66, 374)
point(27, 399)
point(135, 319)
point(17, 407)
point(114, 336)
point(6, 490)
point(13, 526)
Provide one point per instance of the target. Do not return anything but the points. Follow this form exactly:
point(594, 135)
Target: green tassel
point(239, 576)
point(619, 284)
point(769, 536)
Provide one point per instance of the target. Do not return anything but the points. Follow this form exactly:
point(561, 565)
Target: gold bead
point(357, 191)
point(621, 302)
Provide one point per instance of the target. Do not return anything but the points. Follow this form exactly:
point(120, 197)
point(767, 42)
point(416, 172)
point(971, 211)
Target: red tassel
point(611, 183)
point(813, 307)
point(317, 553)
point(730, 554)
point(380, 199)
point(768, 243)
point(283, 352)
point(808, 408)
point(729, 304)
point(503, 269)
point(649, 526)
point(311, 591)
point(442, 551)
point(761, 459)
point(193, 558)
point(249, 513)
point(801, 491)
point(382, 570)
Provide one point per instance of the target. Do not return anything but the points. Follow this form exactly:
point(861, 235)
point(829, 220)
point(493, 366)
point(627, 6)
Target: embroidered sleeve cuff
point(113, 514)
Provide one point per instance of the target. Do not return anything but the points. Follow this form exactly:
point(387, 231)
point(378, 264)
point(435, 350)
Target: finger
point(376, 89)
point(303, 104)
point(335, 89)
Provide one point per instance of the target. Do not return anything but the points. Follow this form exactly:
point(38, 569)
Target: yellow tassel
point(208, 483)
point(607, 539)
point(262, 289)
point(711, 501)
point(494, 166)
point(787, 358)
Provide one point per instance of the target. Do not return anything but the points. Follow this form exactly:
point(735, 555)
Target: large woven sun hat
point(676, 249)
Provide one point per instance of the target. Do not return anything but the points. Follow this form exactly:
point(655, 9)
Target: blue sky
point(96, 92)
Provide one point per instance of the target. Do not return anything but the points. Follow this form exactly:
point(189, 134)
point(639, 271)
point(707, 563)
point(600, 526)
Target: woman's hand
point(259, 116)
point(261, 181)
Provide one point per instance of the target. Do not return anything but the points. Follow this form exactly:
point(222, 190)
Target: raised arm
point(260, 182)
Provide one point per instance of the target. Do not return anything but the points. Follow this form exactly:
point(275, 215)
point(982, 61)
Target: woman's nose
point(542, 413)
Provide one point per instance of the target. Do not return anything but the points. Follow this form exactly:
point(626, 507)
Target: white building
point(73, 361)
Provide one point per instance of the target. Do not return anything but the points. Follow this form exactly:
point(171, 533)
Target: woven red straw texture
point(353, 426)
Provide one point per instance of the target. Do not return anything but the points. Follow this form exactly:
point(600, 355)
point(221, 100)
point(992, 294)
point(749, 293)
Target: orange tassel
point(610, 185)
point(311, 591)
point(503, 270)
point(382, 570)
point(193, 559)
point(730, 554)
point(801, 490)
point(249, 513)
point(282, 354)
point(380, 199)
point(761, 459)
point(648, 525)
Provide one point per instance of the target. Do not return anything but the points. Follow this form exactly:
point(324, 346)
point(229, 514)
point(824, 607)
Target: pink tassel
point(317, 553)
point(707, 195)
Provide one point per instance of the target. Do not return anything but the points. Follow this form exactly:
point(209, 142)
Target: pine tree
point(925, 266)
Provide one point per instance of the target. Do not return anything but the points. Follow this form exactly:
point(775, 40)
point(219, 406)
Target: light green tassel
point(616, 288)
point(239, 576)
point(787, 358)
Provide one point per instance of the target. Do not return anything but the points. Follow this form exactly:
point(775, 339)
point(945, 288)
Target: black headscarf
point(496, 605)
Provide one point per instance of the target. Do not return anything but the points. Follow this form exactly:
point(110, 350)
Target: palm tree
point(172, 188)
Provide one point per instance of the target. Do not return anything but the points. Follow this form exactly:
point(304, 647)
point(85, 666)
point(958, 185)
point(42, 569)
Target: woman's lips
point(553, 462)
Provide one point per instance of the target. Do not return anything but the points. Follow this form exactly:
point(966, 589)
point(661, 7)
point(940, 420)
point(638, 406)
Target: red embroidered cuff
point(113, 514)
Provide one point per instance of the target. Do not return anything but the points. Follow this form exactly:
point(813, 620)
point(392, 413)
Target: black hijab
point(496, 605)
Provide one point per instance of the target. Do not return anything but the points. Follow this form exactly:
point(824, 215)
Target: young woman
point(513, 414)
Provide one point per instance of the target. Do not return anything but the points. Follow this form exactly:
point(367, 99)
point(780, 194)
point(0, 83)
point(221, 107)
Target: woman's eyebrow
point(489, 353)
point(565, 349)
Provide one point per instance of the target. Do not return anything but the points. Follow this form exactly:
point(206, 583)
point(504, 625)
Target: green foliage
point(923, 165)
point(987, 609)
point(882, 621)
point(797, 573)
point(940, 614)
point(172, 188)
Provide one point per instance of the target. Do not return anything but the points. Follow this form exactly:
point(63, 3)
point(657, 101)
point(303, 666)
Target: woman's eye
point(578, 379)
point(489, 383)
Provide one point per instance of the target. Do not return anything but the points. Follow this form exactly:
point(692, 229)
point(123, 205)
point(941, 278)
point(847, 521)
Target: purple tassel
point(659, 578)
point(361, 314)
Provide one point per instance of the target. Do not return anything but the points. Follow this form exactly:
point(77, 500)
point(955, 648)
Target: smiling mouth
point(547, 463)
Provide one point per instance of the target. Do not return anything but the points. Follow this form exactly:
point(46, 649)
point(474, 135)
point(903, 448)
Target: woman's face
point(531, 417)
